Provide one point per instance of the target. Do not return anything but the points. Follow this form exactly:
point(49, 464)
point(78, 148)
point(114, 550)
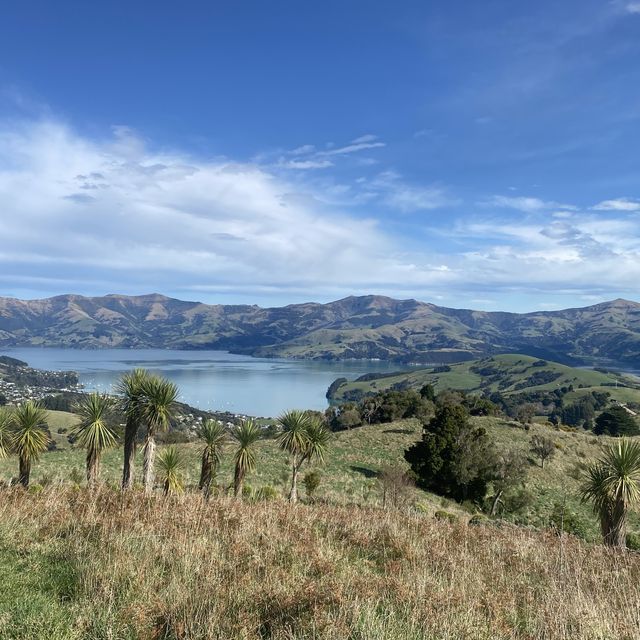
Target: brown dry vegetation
point(82, 566)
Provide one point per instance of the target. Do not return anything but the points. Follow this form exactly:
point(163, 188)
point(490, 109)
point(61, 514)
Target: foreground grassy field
point(79, 566)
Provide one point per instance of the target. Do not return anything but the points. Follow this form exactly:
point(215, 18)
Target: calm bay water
point(211, 379)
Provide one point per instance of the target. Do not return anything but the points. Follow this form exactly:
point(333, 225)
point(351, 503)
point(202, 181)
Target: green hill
point(509, 374)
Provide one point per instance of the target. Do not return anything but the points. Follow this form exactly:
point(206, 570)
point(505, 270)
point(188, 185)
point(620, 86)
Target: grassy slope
point(61, 421)
point(514, 369)
point(76, 567)
point(349, 474)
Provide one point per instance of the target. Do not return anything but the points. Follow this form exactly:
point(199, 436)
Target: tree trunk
point(616, 533)
point(205, 476)
point(494, 504)
point(293, 493)
point(147, 465)
point(93, 468)
point(25, 472)
point(128, 469)
point(237, 483)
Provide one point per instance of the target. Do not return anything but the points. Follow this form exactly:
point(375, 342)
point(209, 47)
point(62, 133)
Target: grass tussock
point(82, 566)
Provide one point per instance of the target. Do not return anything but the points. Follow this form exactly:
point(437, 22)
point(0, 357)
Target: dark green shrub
point(311, 482)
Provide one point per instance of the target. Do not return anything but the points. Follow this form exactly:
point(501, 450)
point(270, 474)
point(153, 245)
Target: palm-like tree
point(294, 440)
point(215, 437)
point(6, 425)
point(612, 485)
point(303, 437)
point(318, 437)
point(93, 432)
point(130, 388)
point(160, 396)
point(171, 464)
point(30, 437)
point(246, 435)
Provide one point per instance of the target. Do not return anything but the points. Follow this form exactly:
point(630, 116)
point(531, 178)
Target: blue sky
point(470, 154)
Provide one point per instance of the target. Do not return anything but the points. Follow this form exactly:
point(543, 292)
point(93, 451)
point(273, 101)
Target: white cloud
point(115, 212)
point(526, 204)
point(366, 138)
point(112, 215)
point(398, 195)
point(619, 204)
point(352, 148)
point(307, 156)
point(633, 7)
point(303, 150)
point(306, 164)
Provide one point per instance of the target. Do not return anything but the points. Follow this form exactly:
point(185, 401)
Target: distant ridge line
point(370, 326)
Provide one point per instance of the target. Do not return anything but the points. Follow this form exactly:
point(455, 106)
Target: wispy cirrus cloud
point(305, 164)
point(357, 145)
point(401, 196)
point(362, 143)
point(308, 157)
point(526, 204)
point(368, 137)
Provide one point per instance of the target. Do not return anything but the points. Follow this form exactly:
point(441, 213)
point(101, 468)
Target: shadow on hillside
point(366, 472)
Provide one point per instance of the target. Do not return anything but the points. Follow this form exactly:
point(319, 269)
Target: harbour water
point(211, 379)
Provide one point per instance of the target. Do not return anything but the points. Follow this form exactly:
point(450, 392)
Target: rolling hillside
point(355, 327)
point(508, 374)
point(355, 459)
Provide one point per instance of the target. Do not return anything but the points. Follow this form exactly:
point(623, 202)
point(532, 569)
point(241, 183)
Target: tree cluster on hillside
point(457, 459)
point(395, 404)
point(582, 412)
point(616, 421)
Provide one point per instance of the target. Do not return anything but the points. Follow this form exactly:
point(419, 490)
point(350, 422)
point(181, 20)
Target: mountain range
point(354, 327)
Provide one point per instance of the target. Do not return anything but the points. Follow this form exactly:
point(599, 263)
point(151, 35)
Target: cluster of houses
point(14, 393)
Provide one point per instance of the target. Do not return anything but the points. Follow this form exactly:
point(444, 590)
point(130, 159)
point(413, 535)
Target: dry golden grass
point(103, 567)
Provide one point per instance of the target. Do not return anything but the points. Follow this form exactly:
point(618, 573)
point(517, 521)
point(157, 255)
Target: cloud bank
point(115, 215)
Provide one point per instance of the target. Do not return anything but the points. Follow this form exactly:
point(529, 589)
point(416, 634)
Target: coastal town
point(20, 383)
